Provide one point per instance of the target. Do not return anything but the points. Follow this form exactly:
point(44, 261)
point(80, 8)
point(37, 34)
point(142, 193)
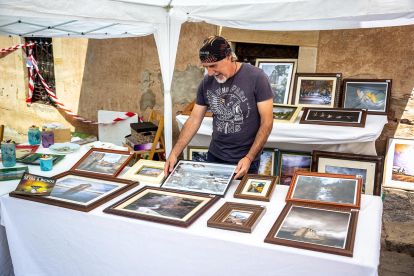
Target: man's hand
point(242, 167)
point(169, 164)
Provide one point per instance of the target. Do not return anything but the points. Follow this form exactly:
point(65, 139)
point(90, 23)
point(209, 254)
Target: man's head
point(217, 56)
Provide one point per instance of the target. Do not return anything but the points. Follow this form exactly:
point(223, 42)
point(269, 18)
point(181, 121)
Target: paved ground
point(395, 264)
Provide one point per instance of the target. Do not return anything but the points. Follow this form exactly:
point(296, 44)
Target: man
point(241, 99)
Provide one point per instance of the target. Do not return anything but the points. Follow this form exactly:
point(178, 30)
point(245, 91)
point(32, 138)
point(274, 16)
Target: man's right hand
point(169, 164)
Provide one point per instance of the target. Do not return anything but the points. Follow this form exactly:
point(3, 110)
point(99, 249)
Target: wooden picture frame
point(353, 97)
point(33, 158)
point(300, 238)
point(94, 153)
point(266, 168)
point(264, 193)
point(350, 197)
point(187, 111)
point(70, 176)
point(287, 118)
point(14, 173)
point(170, 215)
point(135, 173)
point(319, 100)
point(290, 157)
point(334, 116)
point(357, 164)
point(191, 149)
point(239, 217)
point(276, 81)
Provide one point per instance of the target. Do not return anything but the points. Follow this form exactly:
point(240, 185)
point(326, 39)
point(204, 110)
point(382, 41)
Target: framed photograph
point(12, 173)
point(316, 228)
point(103, 162)
point(81, 192)
point(256, 187)
point(147, 171)
point(197, 153)
point(288, 162)
point(200, 177)
point(34, 159)
point(316, 90)
point(163, 205)
point(268, 162)
point(189, 108)
point(336, 190)
point(334, 116)
point(281, 73)
point(237, 217)
point(399, 168)
point(368, 167)
point(371, 94)
point(285, 113)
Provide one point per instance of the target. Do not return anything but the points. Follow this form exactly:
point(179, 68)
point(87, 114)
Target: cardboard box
point(62, 135)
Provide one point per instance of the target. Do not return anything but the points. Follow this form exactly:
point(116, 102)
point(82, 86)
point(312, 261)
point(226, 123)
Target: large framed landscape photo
point(163, 205)
point(81, 191)
point(200, 177)
point(281, 73)
point(316, 228)
point(334, 116)
point(103, 162)
point(371, 94)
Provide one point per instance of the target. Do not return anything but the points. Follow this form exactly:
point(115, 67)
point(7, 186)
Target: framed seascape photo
point(237, 217)
point(103, 162)
point(288, 162)
point(34, 159)
point(189, 108)
point(337, 190)
point(281, 73)
point(373, 95)
point(334, 116)
point(268, 162)
point(316, 90)
point(197, 153)
point(368, 167)
point(163, 205)
point(256, 187)
point(82, 192)
point(316, 228)
point(12, 173)
point(285, 113)
point(200, 177)
point(147, 171)
point(399, 168)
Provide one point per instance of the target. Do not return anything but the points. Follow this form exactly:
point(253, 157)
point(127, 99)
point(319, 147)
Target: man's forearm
point(261, 138)
point(187, 133)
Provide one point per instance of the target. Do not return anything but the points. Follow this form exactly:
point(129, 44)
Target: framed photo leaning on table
point(197, 153)
point(147, 171)
point(334, 116)
point(371, 94)
point(268, 161)
point(369, 167)
point(82, 191)
point(288, 162)
point(316, 89)
point(281, 73)
point(285, 113)
point(256, 187)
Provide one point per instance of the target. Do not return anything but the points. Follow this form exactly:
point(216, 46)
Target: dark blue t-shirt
point(235, 122)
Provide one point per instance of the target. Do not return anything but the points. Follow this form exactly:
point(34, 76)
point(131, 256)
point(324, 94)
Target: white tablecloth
point(306, 137)
point(49, 240)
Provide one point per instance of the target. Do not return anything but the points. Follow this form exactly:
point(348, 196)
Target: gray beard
point(220, 80)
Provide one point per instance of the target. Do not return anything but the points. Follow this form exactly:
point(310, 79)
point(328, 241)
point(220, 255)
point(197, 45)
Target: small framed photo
point(189, 109)
point(399, 165)
point(281, 73)
point(237, 217)
point(256, 187)
point(285, 113)
point(368, 167)
point(12, 173)
point(316, 228)
point(371, 94)
point(334, 116)
point(288, 162)
point(200, 177)
point(81, 192)
point(163, 205)
point(268, 162)
point(147, 171)
point(316, 90)
point(103, 162)
point(336, 190)
point(197, 153)
point(34, 159)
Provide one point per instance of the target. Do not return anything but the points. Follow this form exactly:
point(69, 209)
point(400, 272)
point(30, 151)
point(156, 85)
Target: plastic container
point(8, 154)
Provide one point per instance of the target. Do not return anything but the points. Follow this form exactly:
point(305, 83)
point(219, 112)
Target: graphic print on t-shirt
point(229, 115)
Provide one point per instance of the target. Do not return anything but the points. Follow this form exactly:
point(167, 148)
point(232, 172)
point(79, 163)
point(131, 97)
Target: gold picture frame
point(146, 171)
point(285, 118)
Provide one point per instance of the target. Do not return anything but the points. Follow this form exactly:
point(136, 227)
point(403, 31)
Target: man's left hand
point(242, 167)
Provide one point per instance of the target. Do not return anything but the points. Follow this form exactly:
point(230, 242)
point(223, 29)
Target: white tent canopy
point(163, 18)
